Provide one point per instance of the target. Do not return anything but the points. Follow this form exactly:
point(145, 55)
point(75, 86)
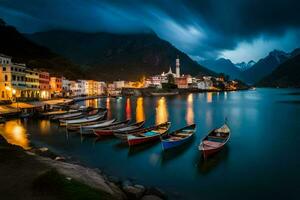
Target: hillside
point(223, 65)
point(110, 56)
point(285, 75)
point(264, 66)
point(25, 51)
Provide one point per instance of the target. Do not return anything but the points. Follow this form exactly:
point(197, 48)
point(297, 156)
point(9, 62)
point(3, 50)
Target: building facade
point(56, 86)
point(44, 84)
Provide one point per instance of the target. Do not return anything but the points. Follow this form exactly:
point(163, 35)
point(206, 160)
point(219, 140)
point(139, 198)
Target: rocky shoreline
point(93, 178)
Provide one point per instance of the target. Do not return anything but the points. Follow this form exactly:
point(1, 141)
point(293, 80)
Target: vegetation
point(53, 182)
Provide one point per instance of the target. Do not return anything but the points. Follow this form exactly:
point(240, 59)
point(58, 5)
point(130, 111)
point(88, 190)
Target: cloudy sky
point(240, 30)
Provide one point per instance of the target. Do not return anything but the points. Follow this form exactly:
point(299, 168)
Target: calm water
point(260, 161)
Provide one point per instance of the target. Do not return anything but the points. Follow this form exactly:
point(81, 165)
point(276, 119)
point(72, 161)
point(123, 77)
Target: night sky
point(240, 30)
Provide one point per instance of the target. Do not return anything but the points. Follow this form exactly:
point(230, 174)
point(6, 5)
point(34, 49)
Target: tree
point(171, 79)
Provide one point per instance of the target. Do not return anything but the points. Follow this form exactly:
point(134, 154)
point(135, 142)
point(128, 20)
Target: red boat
point(148, 136)
point(214, 141)
point(110, 130)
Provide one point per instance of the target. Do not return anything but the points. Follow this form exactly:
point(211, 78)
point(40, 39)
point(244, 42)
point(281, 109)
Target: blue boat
point(178, 137)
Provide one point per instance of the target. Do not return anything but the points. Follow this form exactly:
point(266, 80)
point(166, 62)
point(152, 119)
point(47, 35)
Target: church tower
point(177, 67)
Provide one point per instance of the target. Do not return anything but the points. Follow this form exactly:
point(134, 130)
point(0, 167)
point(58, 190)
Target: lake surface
point(261, 160)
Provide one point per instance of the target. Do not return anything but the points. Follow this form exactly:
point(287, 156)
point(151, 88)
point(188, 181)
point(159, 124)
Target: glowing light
point(209, 97)
point(44, 126)
point(15, 134)
point(128, 109)
point(7, 88)
point(14, 91)
point(108, 107)
point(161, 111)
point(140, 114)
point(190, 110)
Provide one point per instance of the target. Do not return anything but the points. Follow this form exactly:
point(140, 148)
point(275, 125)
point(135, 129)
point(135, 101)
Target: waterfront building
point(44, 84)
point(82, 84)
point(182, 82)
point(65, 86)
point(119, 84)
point(56, 86)
point(32, 83)
point(205, 84)
point(12, 79)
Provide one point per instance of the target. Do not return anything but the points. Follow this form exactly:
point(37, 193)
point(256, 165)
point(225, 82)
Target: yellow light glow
point(44, 126)
point(209, 97)
point(14, 91)
point(15, 134)
point(190, 110)
point(140, 115)
point(7, 88)
point(161, 111)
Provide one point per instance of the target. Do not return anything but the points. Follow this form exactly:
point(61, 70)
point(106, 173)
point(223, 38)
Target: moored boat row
point(95, 123)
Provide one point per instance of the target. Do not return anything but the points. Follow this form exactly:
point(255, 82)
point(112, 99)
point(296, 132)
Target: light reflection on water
point(140, 113)
point(190, 109)
point(15, 133)
point(128, 108)
point(162, 114)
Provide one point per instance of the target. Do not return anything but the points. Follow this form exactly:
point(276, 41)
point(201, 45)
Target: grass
point(51, 182)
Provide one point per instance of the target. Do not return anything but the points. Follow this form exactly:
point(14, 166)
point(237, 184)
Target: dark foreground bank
point(40, 174)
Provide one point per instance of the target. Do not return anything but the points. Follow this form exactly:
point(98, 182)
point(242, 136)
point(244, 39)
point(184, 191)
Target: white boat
point(83, 120)
point(101, 124)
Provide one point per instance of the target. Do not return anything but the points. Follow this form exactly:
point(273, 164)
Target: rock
point(126, 183)
point(156, 192)
point(114, 179)
point(134, 192)
point(68, 178)
point(117, 192)
point(58, 158)
point(43, 149)
point(150, 197)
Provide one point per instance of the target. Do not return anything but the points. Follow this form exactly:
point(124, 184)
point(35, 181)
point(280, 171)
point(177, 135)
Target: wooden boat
point(110, 130)
point(178, 137)
point(83, 120)
point(57, 112)
point(122, 133)
point(214, 141)
point(148, 136)
point(67, 116)
point(101, 124)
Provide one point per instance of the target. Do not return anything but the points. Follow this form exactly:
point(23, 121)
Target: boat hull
point(103, 132)
point(172, 144)
point(141, 140)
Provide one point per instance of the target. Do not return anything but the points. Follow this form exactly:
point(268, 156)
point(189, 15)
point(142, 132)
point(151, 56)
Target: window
point(5, 77)
point(4, 68)
point(13, 77)
point(2, 94)
point(12, 69)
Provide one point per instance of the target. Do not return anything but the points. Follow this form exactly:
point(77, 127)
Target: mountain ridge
point(111, 56)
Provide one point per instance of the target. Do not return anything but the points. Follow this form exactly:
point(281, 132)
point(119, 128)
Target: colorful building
point(44, 84)
point(56, 86)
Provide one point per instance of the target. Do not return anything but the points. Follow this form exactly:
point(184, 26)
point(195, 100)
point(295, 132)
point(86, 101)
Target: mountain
point(264, 66)
point(285, 75)
point(243, 66)
point(109, 56)
point(223, 65)
point(13, 43)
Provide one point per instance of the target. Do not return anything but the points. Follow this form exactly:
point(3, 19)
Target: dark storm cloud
point(200, 28)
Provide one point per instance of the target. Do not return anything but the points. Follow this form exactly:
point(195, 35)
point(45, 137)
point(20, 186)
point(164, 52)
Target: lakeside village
point(23, 87)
